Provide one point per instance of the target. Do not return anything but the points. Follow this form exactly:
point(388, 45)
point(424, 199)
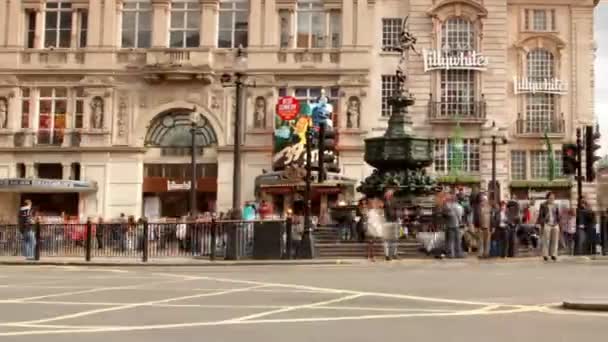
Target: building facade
point(103, 92)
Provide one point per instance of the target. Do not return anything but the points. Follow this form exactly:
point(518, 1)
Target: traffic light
point(592, 137)
point(569, 162)
point(327, 152)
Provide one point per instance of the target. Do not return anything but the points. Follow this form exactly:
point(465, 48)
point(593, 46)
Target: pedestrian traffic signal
point(327, 152)
point(569, 162)
point(592, 137)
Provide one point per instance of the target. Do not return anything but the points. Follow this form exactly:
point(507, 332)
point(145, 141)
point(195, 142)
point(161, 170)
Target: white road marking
point(293, 308)
point(68, 329)
point(134, 305)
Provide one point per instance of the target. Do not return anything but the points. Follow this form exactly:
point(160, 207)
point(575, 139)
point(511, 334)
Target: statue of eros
point(407, 42)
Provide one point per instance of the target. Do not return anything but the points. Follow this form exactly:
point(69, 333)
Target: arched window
point(172, 133)
point(458, 34)
point(541, 65)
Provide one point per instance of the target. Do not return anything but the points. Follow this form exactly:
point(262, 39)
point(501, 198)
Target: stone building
point(100, 94)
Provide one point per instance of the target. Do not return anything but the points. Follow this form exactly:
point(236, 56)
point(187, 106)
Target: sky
point(601, 72)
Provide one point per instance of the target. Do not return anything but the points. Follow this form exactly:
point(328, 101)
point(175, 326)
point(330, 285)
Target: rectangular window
point(185, 24)
point(526, 20)
point(136, 24)
point(539, 163)
point(335, 29)
point(553, 19)
point(30, 24)
point(58, 24)
point(389, 86)
point(518, 165)
point(539, 20)
point(449, 156)
point(79, 101)
point(457, 93)
point(83, 28)
point(391, 28)
point(233, 24)
point(52, 115)
point(25, 108)
point(285, 28)
point(540, 109)
point(310, 24)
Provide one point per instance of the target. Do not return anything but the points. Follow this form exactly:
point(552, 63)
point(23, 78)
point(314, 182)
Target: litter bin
point(268, 240)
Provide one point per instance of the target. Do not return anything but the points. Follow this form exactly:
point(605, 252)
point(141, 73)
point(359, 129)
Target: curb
point(585, 306)
point(175, 264)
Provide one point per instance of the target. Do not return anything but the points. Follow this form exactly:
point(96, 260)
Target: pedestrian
point(452, 213)
point(501, 219)
point(296, 234)
point(391, 227)
point(586, 234)
point(485, 227)
point(99, 232)
point(26, 230)
point(548, 219)
point(513, 222)
point(361, 219)
point(569, 231)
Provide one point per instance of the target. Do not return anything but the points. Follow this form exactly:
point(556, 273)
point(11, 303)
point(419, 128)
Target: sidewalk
point(202, 262)
point(171, 262)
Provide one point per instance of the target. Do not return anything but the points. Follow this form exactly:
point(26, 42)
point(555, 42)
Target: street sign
point(288, 108)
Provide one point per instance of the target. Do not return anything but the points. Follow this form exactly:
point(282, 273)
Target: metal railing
point(227, 239)
point(441, 111)
point(536, 127)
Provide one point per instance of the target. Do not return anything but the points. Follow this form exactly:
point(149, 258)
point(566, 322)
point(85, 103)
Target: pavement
point(452, 300)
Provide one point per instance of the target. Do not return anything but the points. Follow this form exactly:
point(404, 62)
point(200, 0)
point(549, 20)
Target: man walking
point(586, 234)
point(452, 212)
point(485, 227)
point(548, 219)
point(391, 228)
point(27, 231)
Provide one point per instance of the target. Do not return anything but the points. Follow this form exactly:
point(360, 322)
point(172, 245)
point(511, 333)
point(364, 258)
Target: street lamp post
point(496, 138)
point(239, 68)
point(194, 120)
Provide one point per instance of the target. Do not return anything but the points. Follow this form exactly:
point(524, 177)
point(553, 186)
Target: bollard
point(144, 255)
point(289, 241)
point(213, 239)
point(37, 240)
point(88, 241)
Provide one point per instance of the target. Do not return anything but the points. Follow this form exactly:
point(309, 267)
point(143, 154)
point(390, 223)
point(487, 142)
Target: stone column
point(4, 20)
point(67, 171)
point(209, 22)
point(347, 23)
point(14, 28)
point(362, 34)
point(255, 23)
point(160, 23)
point(96, 18)
point(110, 23)
point(74, 29)
point(271, 24)
point(30, 170)
point(39, 33)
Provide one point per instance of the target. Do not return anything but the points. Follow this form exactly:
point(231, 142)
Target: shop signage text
point(546, 86)
point(175, 186)
point(295, 154)
point(446, 60)
point(288, 108)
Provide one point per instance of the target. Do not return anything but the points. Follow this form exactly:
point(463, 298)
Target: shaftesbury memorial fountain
point(400, 158)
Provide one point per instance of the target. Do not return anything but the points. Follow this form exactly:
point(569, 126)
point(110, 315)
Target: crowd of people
point(462, 223)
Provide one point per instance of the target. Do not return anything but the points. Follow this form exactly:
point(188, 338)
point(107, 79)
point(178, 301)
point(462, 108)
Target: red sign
point(288, 108)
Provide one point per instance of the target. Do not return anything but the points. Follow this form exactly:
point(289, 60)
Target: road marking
point(69, 329)
point(134, 305)
point(293, 308)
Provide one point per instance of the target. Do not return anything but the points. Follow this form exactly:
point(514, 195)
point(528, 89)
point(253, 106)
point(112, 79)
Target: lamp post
point(239, 69)
point(194, 118)
point(496, 138)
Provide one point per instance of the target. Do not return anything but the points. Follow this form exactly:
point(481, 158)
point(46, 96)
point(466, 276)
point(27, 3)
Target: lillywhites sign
point(544, 86)
point(175, 186)
point(450, 60)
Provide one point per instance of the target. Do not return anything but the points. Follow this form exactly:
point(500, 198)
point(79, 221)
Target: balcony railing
point(533, 127)
point(471, 112)
point(47, 137)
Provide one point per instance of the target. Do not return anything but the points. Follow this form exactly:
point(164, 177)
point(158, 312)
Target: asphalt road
point(416, 301)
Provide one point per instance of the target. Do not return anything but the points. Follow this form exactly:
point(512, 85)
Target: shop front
point(50, 197)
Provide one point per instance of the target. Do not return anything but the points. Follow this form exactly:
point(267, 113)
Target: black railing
point(539, 127)
point(441, 111)
point(221, 239)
